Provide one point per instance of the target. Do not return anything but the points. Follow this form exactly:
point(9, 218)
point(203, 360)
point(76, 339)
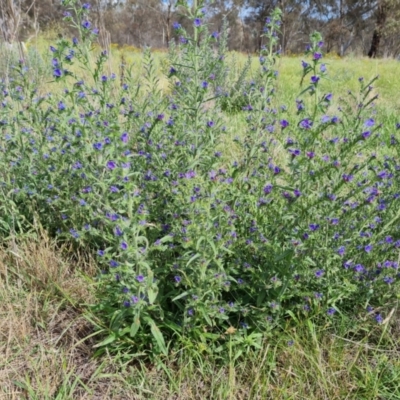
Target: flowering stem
point(196, 67)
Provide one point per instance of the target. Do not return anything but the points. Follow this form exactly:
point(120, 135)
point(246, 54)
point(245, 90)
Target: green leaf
point(310, 261)
point(106, 341)
point(282, 256)
point(155, 331)
point(180, 296)
point(261, 297)
point(192, 259)
point(152, 294)
point(134, 327)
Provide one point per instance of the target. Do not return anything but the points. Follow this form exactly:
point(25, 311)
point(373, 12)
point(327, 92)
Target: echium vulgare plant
point(190, 245)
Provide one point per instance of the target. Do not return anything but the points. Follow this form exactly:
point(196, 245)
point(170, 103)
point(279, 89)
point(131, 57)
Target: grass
point(46, 339)
point(46, 347)
point(343, 72)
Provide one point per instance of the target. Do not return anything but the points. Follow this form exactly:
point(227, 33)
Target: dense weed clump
point(192, 244)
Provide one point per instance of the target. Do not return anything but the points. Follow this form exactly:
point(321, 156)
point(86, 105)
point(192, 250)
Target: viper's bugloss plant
point(191, 244)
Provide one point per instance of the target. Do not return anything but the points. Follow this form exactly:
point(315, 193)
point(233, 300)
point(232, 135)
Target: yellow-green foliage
point(343, 72)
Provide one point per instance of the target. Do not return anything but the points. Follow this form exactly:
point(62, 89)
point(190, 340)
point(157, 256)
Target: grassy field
point(343, 72)
point(47, 339)
point(46, 347)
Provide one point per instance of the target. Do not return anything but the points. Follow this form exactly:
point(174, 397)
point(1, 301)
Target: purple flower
point(111, 165)
point(328, 97)
point(86, 24)
point(310, 154)
point(368, 248)
point(197, 22)
point(322, 68)
point(379, 319)
point(331, 311)
point(113, 263)
point(100, 253)
point(314, 79)
point(61, 106)
point(347, 264)
point(74, 233)
point(204, 84)
point(299, 105)
point(267, 188)
point(317, 56)
point(294, 152)
point(140, 278)
point(306, 123)
point(177, 25)
point(177, 278)
point(118, 231)
point(124, 245)
point(366, 134)
point(369, 122)
point(57, 73)
point(347, 178)
point(359, 268)
point(388, 239)
point(389, 280)
point(304, 64)
point(210, 124)
point(319, 273)
point(125, 137)
point(215, 35)
point(284, 123)
point(85, 6)
point(313, 227)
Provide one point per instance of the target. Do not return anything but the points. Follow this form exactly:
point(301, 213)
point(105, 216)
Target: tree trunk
point(381, 17)
point(168, 23)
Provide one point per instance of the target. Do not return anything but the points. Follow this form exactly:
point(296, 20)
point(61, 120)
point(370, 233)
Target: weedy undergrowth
point(192, 246)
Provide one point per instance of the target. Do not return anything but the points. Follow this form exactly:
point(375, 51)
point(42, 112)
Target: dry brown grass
point(42, 331)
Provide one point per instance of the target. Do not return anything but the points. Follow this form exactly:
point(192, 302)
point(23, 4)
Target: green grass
point(46, 347)
point(343, 72)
